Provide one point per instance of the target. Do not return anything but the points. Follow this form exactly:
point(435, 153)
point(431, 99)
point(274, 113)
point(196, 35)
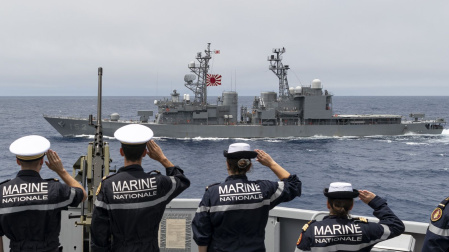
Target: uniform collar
point(29, 173)
point(134, 167)
point(235, 177)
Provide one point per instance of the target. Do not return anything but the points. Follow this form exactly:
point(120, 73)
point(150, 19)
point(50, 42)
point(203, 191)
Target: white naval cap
point(340, 187)
point(30, 147)
point(341, 190)
point(239, 150)
point(133, 134)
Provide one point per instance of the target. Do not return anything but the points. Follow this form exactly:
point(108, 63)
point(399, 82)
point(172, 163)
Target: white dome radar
point(316, 84)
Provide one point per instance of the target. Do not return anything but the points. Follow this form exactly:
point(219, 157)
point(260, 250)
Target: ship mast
point(199, 88)
point(280, 71)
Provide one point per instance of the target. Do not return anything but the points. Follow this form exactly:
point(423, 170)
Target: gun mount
point(90, 169)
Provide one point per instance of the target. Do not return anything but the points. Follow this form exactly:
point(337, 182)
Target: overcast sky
point(355, 47)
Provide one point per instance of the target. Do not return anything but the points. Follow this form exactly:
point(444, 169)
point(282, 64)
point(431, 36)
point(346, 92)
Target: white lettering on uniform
point(25, 188)
point(351, 232)
point(240, 192)
point(134, 189)
point(134, 185)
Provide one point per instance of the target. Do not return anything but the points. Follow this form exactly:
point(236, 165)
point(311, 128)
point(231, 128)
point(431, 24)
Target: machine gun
point(91, 168)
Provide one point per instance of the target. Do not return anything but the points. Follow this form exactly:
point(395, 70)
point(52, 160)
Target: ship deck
point(281, 233)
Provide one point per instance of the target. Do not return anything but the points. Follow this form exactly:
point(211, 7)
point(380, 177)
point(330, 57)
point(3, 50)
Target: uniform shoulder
point(5, 181)
point(438, 212)
point(307, 225)
point(211, 185)
point(154, 172)
point(360, 219)
point(108, 176)
point(52, 179)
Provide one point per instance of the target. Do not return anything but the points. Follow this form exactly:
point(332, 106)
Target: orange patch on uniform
point(436, 214)
point(299, 240)
point(98, 189)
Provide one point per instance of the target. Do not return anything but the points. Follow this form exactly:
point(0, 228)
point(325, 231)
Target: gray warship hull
point(77, 127)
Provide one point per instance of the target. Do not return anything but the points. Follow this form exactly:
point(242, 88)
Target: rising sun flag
point(213, 80)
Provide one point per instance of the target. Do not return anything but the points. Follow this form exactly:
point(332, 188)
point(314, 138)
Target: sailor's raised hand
point(54, 162)
point(155, 152)
point(366, 196)
point(264, 158)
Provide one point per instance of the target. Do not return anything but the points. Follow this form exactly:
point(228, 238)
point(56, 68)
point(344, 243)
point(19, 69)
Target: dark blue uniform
point(129, 207)
point(437, 236)
point(232, 215)
point(30, 211)
point(343, 234)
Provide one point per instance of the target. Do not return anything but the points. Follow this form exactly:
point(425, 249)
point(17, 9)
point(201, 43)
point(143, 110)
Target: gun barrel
point(100, 77)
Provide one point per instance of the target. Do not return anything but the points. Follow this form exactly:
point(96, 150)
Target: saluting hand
point(54, 162)
point(155, 152)
point(264, 158)
point(366, 196)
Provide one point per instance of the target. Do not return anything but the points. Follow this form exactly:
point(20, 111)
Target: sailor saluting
point(130, 204)
point(339, 232)
point(30, 207)
point(232, 215)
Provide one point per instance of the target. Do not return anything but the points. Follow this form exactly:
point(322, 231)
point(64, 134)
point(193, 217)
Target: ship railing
point(284, 225)
point(281, 233)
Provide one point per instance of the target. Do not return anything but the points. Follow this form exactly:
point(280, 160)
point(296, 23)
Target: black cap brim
point(240, 154)
point(341, 194)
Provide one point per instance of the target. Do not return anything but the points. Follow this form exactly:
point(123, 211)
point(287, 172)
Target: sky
point(355, 47)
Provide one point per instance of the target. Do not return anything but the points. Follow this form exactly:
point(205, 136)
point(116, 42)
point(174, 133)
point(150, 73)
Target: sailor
point(437, 236)
point(340, 232)
point(30, 207)
point(130, 204)
point(232, 215)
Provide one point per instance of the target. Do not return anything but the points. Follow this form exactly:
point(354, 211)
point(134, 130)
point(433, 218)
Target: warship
point(301, 111)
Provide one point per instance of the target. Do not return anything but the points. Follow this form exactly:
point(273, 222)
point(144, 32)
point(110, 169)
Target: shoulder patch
point(154, 171)
point(98, 189)
point(436, 214)
point(299, 240)
point(5, 181)
point(361, 219)
point(207, 187)
point(110, 175)
point(306, 226)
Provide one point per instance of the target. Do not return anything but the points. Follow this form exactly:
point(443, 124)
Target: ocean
point(409, 171)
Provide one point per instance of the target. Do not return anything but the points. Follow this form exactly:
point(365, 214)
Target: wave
point(93, 137)
point(413, 143)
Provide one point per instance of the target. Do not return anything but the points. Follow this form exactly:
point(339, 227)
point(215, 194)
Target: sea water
point(410, 171)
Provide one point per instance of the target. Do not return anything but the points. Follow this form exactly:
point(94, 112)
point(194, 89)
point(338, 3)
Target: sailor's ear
point(144, 152)
point(329, 205)
point(121, 152)
point(18, 162)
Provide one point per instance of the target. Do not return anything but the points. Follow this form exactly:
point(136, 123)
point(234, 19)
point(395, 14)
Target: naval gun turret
point(91, 168)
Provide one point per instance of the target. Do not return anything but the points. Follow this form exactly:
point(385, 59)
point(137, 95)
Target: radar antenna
point(199, 88)
point(280, 70)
